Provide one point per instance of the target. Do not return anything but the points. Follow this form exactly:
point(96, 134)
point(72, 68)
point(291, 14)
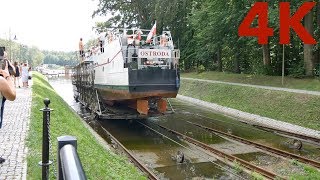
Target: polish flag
point(152, 32)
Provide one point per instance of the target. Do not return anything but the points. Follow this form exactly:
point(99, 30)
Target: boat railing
point(138, 37)
point(133, 60)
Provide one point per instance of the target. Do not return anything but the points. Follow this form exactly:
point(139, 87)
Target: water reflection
point(63, 86)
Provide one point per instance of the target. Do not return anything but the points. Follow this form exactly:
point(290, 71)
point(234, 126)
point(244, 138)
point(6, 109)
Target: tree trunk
point(219, 61)
point(317, 54)
point(266, 55)
point(308, 48)
point(236, 63)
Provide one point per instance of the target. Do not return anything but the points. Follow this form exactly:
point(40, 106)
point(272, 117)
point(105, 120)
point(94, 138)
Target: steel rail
point(292, 134)
point(149, 173)
point(161, 134)
point(263, 147)
point(253, 168)
point(310, 139)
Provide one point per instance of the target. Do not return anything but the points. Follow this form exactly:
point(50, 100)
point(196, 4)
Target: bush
point(297, 70)
point(201, 69)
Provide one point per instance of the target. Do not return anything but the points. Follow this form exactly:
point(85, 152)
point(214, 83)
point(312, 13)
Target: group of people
point(93, 50)
point(21, 72)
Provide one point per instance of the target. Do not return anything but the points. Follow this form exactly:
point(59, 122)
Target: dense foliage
point(206, 32)
point(34, 56)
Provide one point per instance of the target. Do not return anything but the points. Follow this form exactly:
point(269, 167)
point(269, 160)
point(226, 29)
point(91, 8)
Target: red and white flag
point(152, 32)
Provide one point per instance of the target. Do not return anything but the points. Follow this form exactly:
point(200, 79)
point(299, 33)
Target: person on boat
point(81, 49)
point(130, 39)
point(138, 37)
point(110, 37)
point(164, 40)
point(102, 39)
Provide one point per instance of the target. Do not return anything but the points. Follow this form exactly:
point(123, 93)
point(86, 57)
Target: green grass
point(312, 84)
point(293, 108)
point(310, 173)
point(97, 162)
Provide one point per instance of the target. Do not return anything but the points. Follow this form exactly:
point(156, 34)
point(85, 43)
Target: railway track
point(261, 146)
point(291, 134)
point(280, 132)
point(140, 165)
point(251, 167)
point(144, 169)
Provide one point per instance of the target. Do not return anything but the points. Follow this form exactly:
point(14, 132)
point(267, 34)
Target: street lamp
point(10, 43)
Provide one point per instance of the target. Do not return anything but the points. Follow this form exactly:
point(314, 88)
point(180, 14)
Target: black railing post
point(45, 140)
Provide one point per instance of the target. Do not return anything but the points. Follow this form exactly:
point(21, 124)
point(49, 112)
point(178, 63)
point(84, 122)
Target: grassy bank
point(293, 108)
point(97, 162)
point(276, 81)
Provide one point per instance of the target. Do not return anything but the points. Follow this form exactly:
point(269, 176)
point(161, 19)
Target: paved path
point(13, 136)
point(261, 87)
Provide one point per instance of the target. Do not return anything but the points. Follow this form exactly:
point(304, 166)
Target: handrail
point(69, 164)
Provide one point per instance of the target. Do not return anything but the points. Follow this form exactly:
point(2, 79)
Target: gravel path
point(252, 118)
point(13, 136)
point(257, 86)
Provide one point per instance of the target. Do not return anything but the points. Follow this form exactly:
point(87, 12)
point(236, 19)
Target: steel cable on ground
point(223, 168)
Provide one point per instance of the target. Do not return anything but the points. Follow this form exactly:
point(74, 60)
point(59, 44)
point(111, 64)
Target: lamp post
point(10, 44)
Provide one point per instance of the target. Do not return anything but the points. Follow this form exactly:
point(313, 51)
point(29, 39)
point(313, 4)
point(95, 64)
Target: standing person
point(7, 92)
point(5, 55)
point(24, 75)
point(81, 49)
point(17, 75)
point(102, 38)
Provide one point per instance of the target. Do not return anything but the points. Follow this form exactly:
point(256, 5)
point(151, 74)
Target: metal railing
point(69, 164)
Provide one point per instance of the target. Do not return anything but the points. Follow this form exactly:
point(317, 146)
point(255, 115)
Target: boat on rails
point(131, 75)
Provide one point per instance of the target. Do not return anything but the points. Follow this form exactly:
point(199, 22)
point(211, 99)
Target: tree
point(308, 48)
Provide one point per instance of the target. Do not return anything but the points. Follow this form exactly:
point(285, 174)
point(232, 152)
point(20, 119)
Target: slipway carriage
point(132, 77)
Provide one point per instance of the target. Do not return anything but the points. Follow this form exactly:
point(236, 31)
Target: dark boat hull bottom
point(143, 102)
point(121, 93)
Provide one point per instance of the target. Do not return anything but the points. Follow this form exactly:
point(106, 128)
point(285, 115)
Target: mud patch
point(234, 148)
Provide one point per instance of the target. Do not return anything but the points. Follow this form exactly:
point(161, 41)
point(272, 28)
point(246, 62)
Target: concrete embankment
point(252, 118)
point(296, 112)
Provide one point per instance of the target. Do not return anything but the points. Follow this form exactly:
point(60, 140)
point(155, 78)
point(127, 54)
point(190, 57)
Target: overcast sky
point(48, 24)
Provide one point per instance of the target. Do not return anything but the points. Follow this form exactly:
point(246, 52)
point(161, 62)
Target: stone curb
point(253, 118)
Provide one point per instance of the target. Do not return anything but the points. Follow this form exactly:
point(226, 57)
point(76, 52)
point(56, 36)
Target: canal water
point(160, 151)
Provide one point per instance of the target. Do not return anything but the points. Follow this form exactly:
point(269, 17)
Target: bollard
point(45, 163)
